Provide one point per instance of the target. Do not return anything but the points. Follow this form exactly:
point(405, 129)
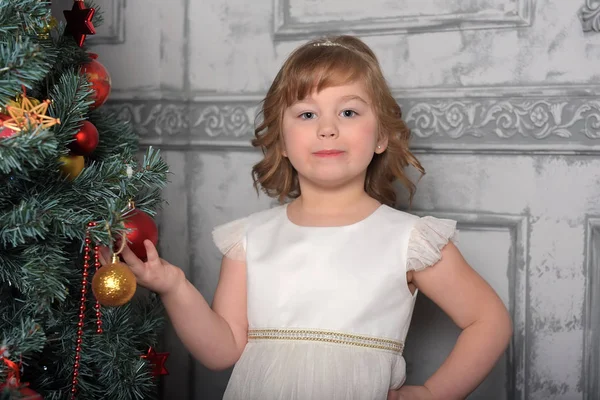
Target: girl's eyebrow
point(353, 97)
point(345, 98)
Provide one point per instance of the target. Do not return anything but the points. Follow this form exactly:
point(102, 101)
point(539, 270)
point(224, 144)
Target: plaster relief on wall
point(504, 119)
point(294, 19)
point(590, 16)
point(154, 119)
point(457, 123)
point(214, 120)
point(227, 120)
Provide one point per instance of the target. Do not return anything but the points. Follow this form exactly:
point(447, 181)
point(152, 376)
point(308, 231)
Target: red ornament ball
point(99, 77)
point(28, 394)
point(25, 393)
point(142, 227)
point(4, 130)
point(85, 141)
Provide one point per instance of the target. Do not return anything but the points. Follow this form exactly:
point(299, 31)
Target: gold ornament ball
point(114, 284)
point(18, 101)
point(48, 27)
point(71, 166)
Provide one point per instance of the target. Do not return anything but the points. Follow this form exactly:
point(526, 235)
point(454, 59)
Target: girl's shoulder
point(230, 237)
point(427, 235)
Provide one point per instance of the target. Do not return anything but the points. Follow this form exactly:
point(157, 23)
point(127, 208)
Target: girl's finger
point(151, 253)
point(104, 255)
point(131, 259)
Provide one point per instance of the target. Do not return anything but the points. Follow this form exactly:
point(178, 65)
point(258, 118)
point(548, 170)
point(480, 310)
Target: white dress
point(328, 307)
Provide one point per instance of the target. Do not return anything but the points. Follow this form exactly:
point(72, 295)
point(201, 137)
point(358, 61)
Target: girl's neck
point(316, 199)
point(332, 205)
point(323, 211)
point(351, 199)
point(339, 205)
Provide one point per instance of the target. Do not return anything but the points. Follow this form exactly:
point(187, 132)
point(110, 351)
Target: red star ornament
point(158, 362)
point(79, 21)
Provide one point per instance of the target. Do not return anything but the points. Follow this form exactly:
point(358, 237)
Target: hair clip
point(329, 43)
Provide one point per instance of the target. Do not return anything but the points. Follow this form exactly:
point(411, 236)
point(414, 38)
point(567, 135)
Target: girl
point(315, 296)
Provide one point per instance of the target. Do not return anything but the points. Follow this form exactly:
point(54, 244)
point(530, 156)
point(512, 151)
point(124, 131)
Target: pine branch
point(22, 337)
point(23, 62)
point(71, 58)
point(149, 181)
point(23, 16)
point(29, 220)
point(125, 326)
point(44, 271)
point(111, 179)
point(26, 151)
point(38, 272)
point(117, 136)
point(45, 215)
point(98, 18)
point(71, 97)
point(65, 209)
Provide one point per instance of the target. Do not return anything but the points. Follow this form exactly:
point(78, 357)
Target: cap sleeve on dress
point(230, 239)
point(428, 237)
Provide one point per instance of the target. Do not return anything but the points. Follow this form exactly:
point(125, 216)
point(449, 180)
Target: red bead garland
point(84, 288)
point(97, 305)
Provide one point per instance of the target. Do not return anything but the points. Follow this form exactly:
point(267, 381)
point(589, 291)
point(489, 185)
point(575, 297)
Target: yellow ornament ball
point(18, 101)
point(48, 27)
point(71, 166)
point(114, 284)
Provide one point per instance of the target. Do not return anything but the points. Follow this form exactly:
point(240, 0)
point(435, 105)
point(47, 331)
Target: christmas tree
point(71, 179)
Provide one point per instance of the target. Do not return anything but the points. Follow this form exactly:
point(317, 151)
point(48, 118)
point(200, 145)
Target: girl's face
point(330, 137)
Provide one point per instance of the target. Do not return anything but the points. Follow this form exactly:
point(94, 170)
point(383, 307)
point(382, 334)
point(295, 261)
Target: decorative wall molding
point(287, 27)
point(591, 312)
point(518, 228)
point(112, 30)
point(480, 120)
point(589, 15)
point(176, 123)
point(502, 119)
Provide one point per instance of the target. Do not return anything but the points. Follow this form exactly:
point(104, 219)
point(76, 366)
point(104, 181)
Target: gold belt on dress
point(326, 336)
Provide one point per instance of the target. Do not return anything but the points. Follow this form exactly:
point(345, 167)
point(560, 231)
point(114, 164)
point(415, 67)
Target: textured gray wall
point(503, 100)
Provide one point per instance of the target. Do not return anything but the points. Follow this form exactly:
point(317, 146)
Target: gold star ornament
point(26, 113)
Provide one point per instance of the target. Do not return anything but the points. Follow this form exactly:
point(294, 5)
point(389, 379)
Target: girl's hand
point(410, 393)
point(155, 274)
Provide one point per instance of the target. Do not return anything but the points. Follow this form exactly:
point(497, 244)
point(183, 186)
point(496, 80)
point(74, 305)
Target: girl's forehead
point(315, 78)
point(343, 92)
point(329, 89)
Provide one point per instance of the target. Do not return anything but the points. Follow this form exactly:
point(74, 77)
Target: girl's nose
point(328, 131)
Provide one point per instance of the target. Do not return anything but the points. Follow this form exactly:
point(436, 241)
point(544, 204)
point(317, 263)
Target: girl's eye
point(349, 113)
point(307, 115)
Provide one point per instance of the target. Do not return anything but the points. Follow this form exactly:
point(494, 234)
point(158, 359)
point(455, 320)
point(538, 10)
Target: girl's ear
point(382, 144)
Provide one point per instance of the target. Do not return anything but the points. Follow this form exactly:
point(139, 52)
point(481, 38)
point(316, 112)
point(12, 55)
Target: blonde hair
point(317, 65)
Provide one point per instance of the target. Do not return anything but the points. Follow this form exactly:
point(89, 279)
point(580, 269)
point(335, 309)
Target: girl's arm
point(474, 306)
point(216, 337)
